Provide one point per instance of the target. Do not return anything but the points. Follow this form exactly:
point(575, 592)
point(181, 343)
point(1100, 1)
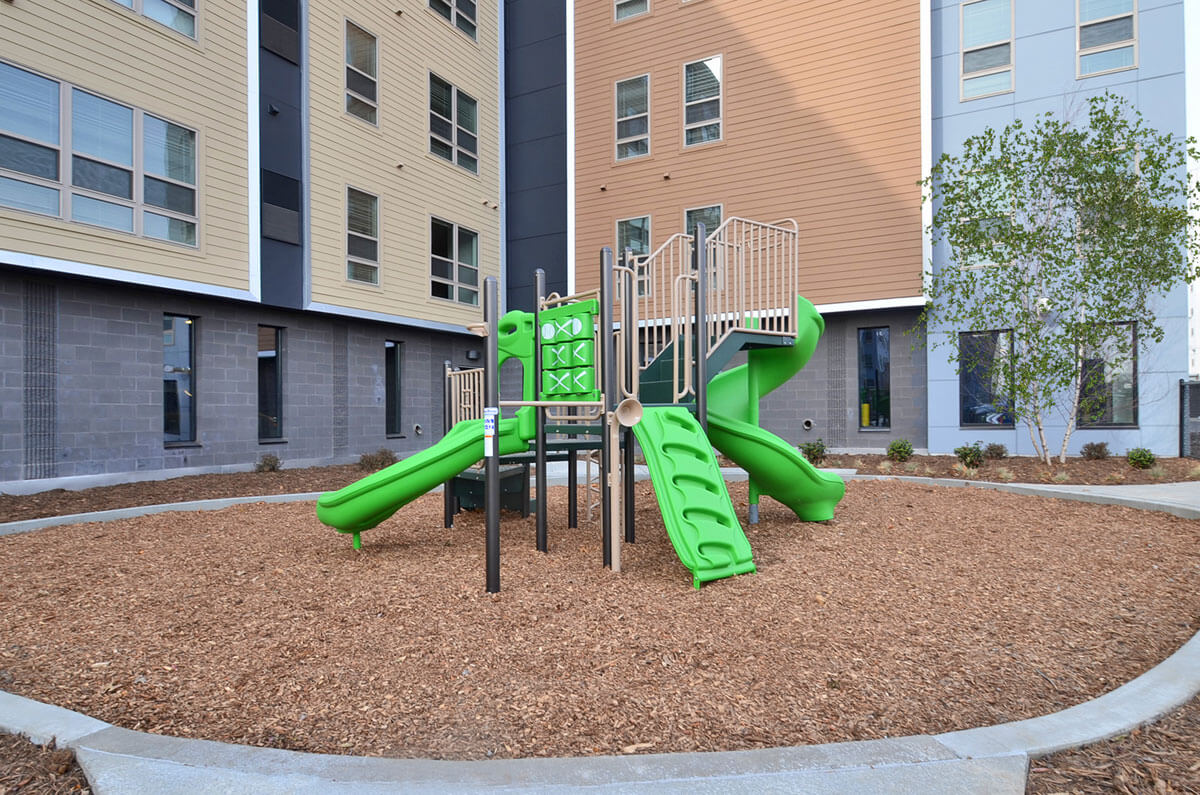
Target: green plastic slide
point(775, 467)
point(367, 502)
point(695, 504)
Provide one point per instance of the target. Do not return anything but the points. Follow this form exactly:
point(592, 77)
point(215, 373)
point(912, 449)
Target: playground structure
point(633, 359)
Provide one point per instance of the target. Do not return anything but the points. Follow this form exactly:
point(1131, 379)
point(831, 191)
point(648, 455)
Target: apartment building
point(996, 61)
point(704, 110)
point(229, 230)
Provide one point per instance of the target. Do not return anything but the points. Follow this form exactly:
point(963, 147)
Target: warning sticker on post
point(490, 414)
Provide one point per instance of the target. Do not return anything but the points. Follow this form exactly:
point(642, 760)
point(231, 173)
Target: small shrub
point(1094, 451)
point(1157, 472)
point(900, 450)
point(1140, 458)
point(814, 452)
point(383, 457)
point(964, 471)
point(1006, 474)
point(911, 466)
point(995, 451)
point(1061, 477)
point(970, 455)
point(1114, 477)
point(884, 466)
point(268, 463)
point(1194, 472)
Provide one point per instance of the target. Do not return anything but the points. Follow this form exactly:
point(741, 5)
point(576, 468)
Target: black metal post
point(539, 281)
point(572, 497)
point(491, 413)
point(448, 486)
point(630, 329)
point(701, 252)
point(607, 355)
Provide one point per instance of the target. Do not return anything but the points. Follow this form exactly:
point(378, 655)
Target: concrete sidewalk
point(991, 759)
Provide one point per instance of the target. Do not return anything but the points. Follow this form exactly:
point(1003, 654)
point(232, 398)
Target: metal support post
point(447, 413)
point(539, 281)
point(607, 356)
point(701, 252)
point(491, 413)
point(628, 330)
point(572, 494)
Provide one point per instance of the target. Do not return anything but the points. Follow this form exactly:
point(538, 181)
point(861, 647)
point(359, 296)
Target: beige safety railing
point(464, 390)
point(753, 280)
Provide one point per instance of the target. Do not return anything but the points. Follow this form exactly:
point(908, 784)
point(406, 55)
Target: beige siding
point(392, 160)
point(821, 123)
point(107, 49)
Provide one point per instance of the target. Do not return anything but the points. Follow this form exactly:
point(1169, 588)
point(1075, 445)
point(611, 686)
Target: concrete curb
point(988, 759)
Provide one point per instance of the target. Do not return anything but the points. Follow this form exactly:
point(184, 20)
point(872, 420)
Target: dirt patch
point(31, 769)
point(918, 609)
point(1114, 471)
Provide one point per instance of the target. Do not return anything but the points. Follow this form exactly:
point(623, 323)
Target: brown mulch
point(1163, 757)
point(918, 609)
point(13, 508)
point(31, 769)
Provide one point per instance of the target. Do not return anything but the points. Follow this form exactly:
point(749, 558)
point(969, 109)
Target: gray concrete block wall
point(109, 381)
point(826, 391)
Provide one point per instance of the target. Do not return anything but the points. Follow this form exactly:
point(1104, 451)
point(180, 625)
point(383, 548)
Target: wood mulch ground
point(918, 609)
point(36, 770)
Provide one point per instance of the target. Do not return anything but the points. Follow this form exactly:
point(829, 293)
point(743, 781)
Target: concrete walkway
point(991, 759)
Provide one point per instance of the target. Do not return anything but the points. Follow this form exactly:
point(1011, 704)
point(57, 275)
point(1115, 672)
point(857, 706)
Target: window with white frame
point(362, 59)
point(454, 262)
point(460, 13)
point(179, 15)
point(633, 234)
point(702, 101)
point(1107, 36)
point(633, 117)
point(110, 165)
point(362, 237)
point(624, 9)
point(453, 124)
point(709, 216)
point(987, 63)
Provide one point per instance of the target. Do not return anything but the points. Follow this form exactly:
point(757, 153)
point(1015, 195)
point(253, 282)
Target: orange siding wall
point(821, 124)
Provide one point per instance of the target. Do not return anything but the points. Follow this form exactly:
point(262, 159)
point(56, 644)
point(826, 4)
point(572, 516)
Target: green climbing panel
point(695, 504)
point(567, 336)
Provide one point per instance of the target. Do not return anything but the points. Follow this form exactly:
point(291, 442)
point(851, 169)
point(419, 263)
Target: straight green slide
point(367, 502)
point(774, 465)
point(695, 504)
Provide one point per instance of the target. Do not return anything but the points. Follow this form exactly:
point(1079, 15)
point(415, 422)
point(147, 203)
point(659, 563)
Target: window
point(702, 101)
point(361, 74)
point(178, 15)
point(362, 237)
point(270, 383)
point(709, 216)
point(127, 170)
point(874, 378)
point(633, 117)
point(1107, 36)
point(1107, 391)
point(984, 358)
point(179, 387)
point(459, 12)
point(986, 48)
point(624, 9)
point(453, 124)
point(392, 359)
point(634, 234)
point(454, 262)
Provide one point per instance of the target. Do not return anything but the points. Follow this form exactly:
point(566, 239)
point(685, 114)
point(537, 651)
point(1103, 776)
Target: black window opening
point(874, 378)
point(1108, 383)
point(984, 359)
point(179, 388)
point(392, 362)
point(270, 383)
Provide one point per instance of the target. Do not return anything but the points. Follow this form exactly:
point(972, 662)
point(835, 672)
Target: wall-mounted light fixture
point(472, 355)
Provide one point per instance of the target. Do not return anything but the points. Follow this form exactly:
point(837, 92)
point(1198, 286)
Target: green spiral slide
point(775, 466)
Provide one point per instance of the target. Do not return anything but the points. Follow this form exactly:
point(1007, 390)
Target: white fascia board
point(253, 188)
point(1191, 98)
point(502, 110)
point(926, 78)
point(570, 147)
point(115, 274)
point(383, 317)
point(866, 306)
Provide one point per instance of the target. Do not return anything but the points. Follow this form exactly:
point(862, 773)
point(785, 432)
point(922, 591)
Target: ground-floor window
point(392, 361)
point(983, 361)
point(270, 383)
point(1108, 391)
point(874, 378)
point(179, 387)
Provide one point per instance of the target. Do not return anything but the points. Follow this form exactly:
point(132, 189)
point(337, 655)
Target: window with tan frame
point(633, 117)
point(460, 13)
point(362, 237)
point(362, 68)
point(1106, 36)
point(986, 27)
point(453, 124)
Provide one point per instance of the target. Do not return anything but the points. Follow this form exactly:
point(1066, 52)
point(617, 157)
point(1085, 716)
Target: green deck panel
point(695, 504)
point(775, 466)
point(367, 502)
